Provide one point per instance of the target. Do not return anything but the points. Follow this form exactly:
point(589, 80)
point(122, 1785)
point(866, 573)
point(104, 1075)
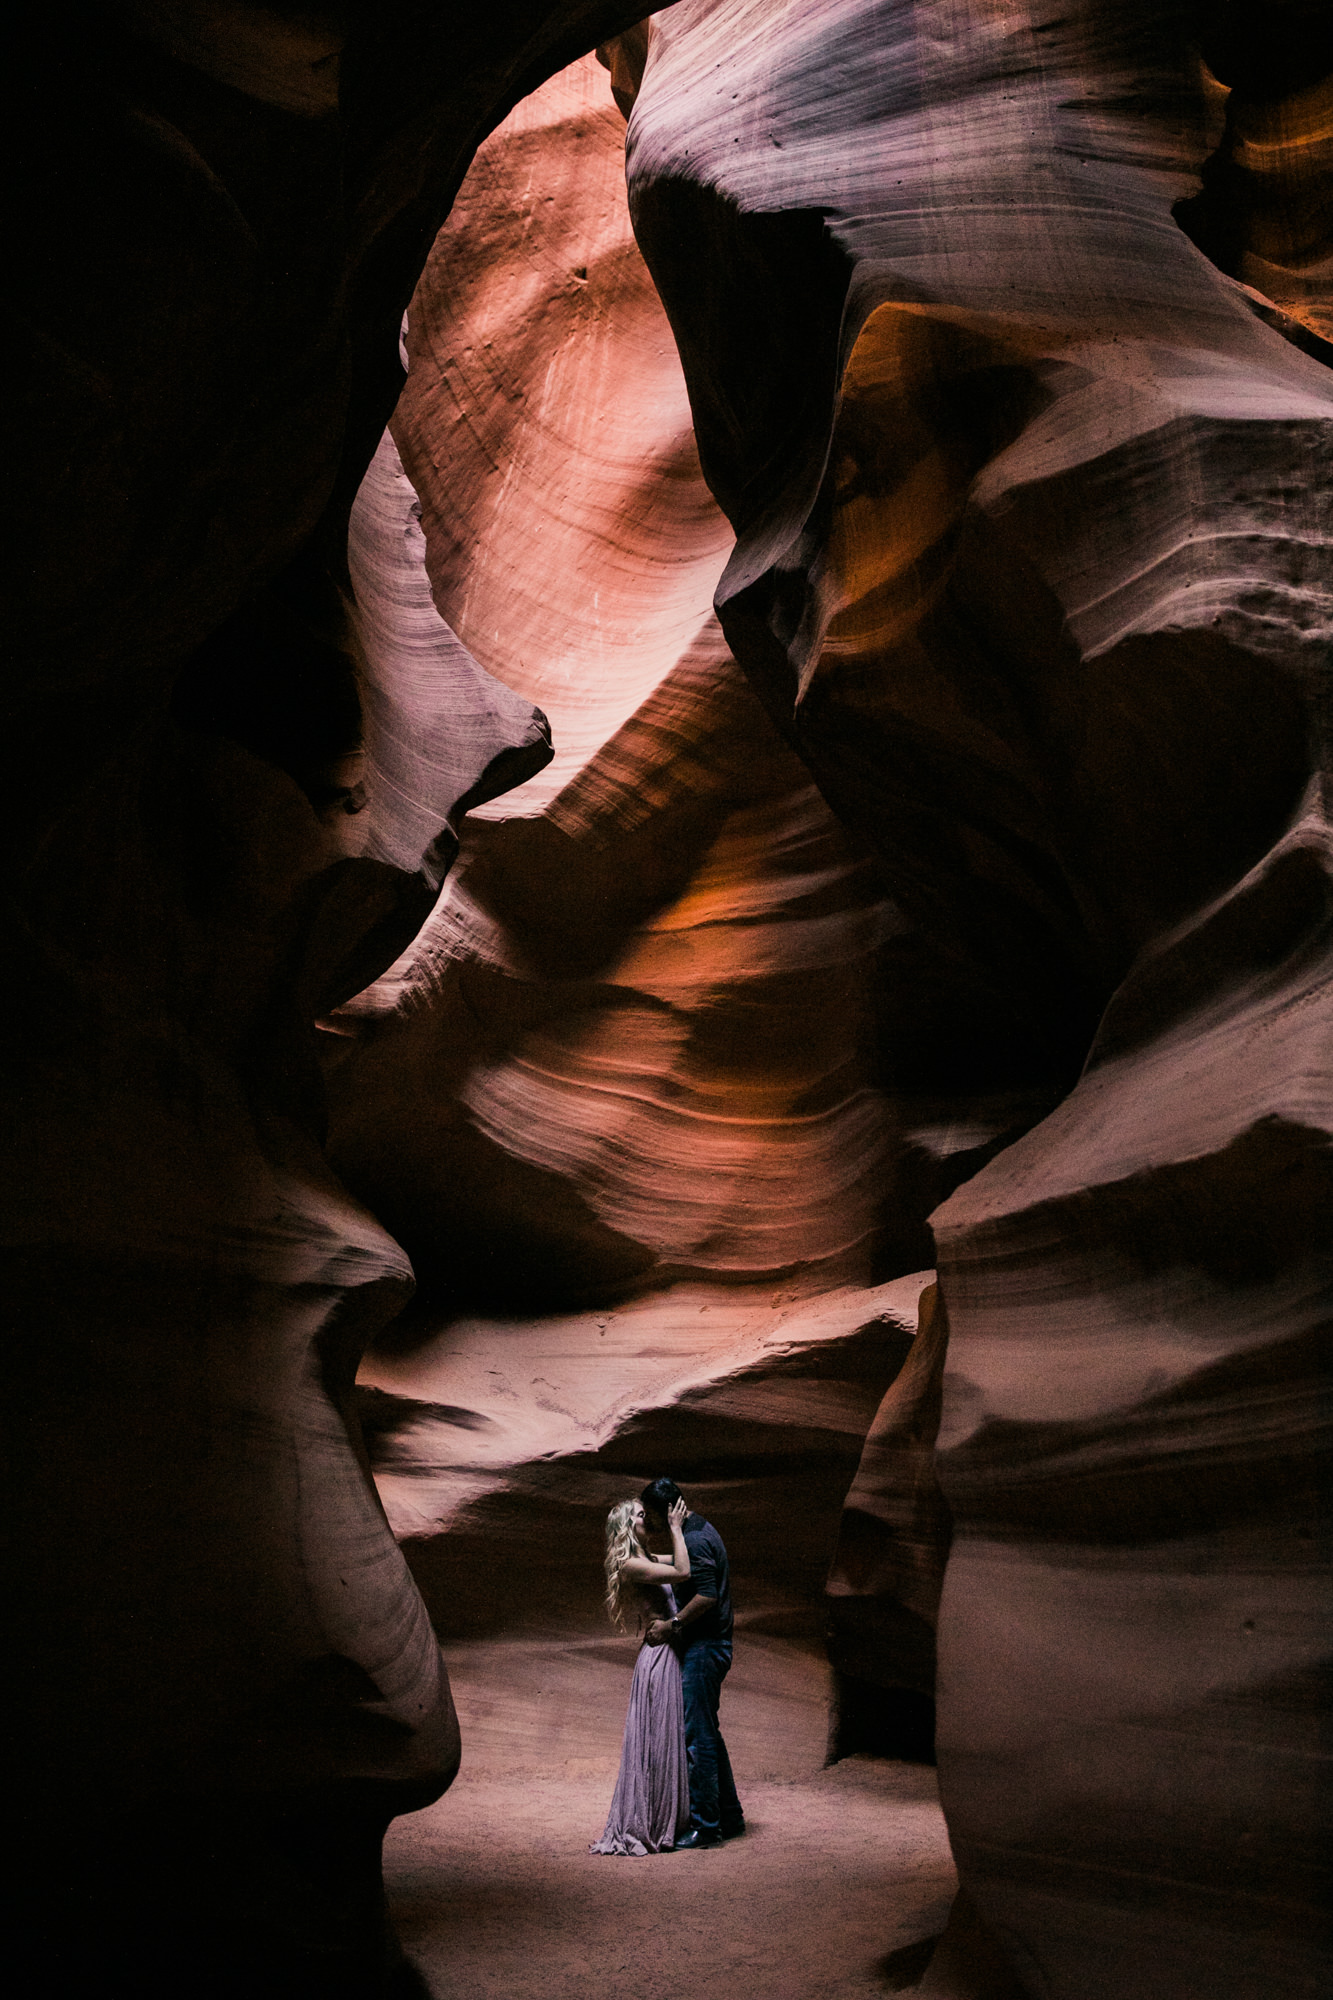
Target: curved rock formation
point(1027, 456)
point(1261, 213)
point(1032, 566)
point(888, 1567)
point(1004, 335)
point(636, 1039)
point(634, 1048)
point(570, 540)
point(229, 1683)
point(496, 1438)
point(439, 734)
point(1134, 1443)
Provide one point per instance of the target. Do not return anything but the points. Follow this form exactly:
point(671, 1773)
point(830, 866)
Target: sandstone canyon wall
point(622, 1100)
point(226, 1679)
point(974, 846)
point(1032, 566)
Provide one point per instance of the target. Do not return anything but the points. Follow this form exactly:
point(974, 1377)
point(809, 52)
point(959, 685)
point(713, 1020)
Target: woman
point(652, 1796)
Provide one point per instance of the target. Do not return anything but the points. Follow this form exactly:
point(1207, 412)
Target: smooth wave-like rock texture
point(1262, 213)
point(571, 542)
point(1033, 566)
point(635, 1045)
point(1002, 332)
point(1133, 1445)
point(494, 1438)
point(636, 1040)
point(888, 1567)
point(1070, 479)
point(438, 733)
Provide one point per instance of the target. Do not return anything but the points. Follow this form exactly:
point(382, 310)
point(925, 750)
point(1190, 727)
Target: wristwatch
point(675, 1625)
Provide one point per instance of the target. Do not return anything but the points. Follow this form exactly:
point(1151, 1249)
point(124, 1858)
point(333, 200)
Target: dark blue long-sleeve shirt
point(710, 1576)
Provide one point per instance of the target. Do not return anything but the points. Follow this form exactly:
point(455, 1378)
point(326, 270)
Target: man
point(701, 1633)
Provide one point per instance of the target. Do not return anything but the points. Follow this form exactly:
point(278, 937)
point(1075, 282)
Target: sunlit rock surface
point(637, 1039)
point(632, 1059)
point(570, 540)
point(1033, 566)
point(1033, 474)
point(439, 733)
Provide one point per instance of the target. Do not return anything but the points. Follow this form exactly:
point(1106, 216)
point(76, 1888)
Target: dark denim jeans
point(714, 1805)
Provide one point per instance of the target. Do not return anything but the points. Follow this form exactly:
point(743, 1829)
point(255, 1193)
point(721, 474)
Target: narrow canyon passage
point(841, 1872)
point(671, 751)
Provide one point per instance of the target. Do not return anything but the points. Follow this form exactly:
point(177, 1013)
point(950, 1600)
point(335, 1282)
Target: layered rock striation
point(1133, 1447)
point(994, 781)
point(636, 1041)
point(631, 1064)
point(500, 1445)
point(1032, 565)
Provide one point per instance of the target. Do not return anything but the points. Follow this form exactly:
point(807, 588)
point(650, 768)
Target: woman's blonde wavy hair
point(621, 1544)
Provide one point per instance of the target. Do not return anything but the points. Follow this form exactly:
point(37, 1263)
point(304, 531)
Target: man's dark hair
point(658, 1496)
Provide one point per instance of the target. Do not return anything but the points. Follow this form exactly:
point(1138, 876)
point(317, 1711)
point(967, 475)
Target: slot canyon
point(670, 687)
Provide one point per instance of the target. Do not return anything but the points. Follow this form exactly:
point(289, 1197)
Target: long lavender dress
point(651, 1802)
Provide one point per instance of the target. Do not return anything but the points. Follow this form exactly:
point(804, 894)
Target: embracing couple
point(675, 1788)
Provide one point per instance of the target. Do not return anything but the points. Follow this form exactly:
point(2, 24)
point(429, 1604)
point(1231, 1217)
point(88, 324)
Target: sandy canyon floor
point(843, 1870)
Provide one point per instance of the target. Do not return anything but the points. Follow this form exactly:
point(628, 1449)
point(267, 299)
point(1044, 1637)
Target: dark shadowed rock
point(216, 223)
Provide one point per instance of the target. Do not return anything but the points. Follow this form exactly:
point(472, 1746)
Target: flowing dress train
point(651, 1802)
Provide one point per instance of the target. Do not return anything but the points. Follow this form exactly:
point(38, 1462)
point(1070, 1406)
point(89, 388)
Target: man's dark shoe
point(696, 1838)
point(731, 1832)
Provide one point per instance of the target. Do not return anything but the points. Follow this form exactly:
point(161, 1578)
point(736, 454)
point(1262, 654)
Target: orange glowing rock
point(636, 1036)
